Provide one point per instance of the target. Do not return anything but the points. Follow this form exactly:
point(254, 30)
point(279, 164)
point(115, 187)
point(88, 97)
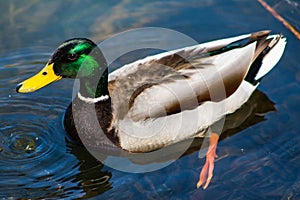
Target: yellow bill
point(41, 79)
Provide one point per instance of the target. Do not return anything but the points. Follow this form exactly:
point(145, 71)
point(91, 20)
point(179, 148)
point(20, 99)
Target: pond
point(259, 151)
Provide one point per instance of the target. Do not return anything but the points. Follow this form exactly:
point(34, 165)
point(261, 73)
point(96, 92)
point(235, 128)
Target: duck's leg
point(207, 170)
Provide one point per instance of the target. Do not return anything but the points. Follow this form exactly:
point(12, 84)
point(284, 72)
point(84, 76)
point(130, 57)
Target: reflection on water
point(259, 151)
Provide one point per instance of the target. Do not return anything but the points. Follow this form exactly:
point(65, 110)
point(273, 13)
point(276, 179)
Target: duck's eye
point(72, 56)
point(44, 73)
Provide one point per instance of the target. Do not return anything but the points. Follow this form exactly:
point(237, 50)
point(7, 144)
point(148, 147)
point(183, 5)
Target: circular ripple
point(29, 140)
point(26, 141)
point(23, 146)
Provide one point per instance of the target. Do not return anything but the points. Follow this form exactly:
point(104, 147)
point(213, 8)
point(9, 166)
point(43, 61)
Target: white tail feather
point(271, 59)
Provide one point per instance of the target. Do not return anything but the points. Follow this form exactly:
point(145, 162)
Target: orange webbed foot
point(207, 170)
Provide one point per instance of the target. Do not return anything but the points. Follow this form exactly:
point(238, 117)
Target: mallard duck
point(161, 99)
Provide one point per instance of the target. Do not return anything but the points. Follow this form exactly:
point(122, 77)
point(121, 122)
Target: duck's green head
point(75, 58)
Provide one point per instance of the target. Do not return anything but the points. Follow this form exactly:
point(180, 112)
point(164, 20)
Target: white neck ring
point(93, 100)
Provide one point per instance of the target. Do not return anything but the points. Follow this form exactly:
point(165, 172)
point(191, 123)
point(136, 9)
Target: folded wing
point(182, 79)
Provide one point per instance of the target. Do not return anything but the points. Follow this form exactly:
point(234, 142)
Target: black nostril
point(18, 87)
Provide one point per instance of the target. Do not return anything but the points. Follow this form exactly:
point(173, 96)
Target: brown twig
point(281, 19)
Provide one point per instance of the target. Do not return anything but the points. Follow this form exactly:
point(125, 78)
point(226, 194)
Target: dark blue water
point(259, 154)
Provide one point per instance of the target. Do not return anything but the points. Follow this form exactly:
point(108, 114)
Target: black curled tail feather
point(263, 47)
